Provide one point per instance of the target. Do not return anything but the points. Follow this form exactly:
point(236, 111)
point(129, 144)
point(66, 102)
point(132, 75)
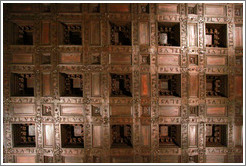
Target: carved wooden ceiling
point(155, 83)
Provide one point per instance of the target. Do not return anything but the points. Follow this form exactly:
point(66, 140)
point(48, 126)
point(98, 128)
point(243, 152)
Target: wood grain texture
point(146, 133)
point(144, 33)
point(169, 111)
point(123, 59)
point(97, 136)
point(25, 159)
point(24, 109)
point(95, 32)
point(168, 8)
point(95, 85)
point(119, 7)
point(192, 33)
point(45, 36)
point(238, 135)
point(121, 110)
point(70, 58)
point(193, 136)
point(68, 110)
point(217, 10)
point(211, 60)
point(239, 86)
point(170, 159)
point(238, 36)
point(173, 60)
point(22, 58)
point(194, 85)
point(215, 158)
point(145, 85)
point(46, 85)
point(216, 111)
point(48, 135)
point(73, 159)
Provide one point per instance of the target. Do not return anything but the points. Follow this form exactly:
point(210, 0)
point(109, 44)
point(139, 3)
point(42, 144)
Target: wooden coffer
point(123, 83)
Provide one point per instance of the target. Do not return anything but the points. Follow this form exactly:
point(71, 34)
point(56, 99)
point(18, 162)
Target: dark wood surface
point(123, 82)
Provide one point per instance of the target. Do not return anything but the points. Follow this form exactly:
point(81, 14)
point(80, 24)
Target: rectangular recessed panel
point(168, 8)
point(69, 7)
point(170, 159)
point(169, 60)
point(95, 38)
point(120, 59)
point(97, 136)
point(122, 159)
point(238, 36)
point(216, 111)
point(238, 131)
point(193, 85)
point(70, 58)
point(25, 159)
point(22, 7)
point(120, 110)
point(193, 135)
point(169, 111)
point(239, 86)
point(216, 60)
point(145, 84)
point(192, 33)
point(146, 135)
point(73, 159)
point(215, 158)
point(46, 85)
point(48, 135)
point(95, 85)
point(71, 110)
point(45, 37)
point(22, 58)
point(144, 33)
point(218, 10)
point(24, 109)
point(116, 7)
